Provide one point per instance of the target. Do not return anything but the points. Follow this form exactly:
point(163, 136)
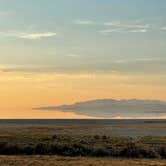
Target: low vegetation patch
point(80, 145)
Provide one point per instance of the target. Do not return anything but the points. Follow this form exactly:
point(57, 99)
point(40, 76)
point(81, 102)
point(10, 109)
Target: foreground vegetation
point(76, 161)
point(81, 145)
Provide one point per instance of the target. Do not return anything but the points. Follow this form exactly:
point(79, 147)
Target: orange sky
point(21, 91)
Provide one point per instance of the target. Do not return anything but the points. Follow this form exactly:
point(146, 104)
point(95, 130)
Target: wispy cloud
point(5, 13)
point(72, 55)
point(150, 59)
point(139, 65)
point(30, 36)
point(109, 31)
point(105, 31)
point(119, 27)
point(121, 30)
point(35, 36)
point(163, 28)
point(27, 68)
point(144, 59)
point(139, 30)
point(85, 22)
point(124, 25)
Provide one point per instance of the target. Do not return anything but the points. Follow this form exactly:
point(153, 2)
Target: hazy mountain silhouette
point(109, 108)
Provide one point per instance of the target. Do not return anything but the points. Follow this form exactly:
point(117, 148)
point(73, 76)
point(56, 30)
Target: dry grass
point(68, 161)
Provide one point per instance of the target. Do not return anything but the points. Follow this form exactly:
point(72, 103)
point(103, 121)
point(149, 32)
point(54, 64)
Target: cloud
point(150, 59)
point(139, 30)
point(108, 31)
point(119, 27)
point(85, 22)
point(75, 64)
point(72, 55)
point(163, 28)
point(27, 68)
point(35, 36)
point(118, 30)
point(143, 59)
point(5, 13)
point(119, 24)
point(30, 36)
point(131, 26)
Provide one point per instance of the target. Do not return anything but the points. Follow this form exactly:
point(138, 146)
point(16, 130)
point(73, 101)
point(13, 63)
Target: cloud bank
point(76, 64)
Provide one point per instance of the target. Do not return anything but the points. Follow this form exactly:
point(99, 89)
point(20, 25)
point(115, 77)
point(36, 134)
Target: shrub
point(42, 149)
point(54, 137)
point(67, 145)
point(162, 151)
point(132, 150)
point(96, 136)
point(100, 152)
point(104, 137)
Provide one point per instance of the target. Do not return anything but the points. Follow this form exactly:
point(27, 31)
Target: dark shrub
point(104, 137)
point(42, 149)
point(162, 151)
point(69, 145)
point(100, 152)
point(62, 149)
point(96, 136)
point(54, 137)
point(81, 149)
point(28, 150)
point(3, 148)
point(8, 149)
point(131, 150)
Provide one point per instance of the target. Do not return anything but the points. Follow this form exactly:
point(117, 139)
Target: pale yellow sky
point(20, 92)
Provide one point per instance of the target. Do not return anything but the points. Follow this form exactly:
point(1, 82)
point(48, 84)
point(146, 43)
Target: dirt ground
point(77, 161)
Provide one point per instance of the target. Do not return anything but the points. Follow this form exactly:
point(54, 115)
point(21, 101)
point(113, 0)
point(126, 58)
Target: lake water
point(89, 126)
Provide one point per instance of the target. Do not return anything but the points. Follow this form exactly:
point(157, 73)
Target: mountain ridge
point(107, 108)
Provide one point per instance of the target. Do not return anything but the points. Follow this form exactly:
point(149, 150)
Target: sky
point(55, 52)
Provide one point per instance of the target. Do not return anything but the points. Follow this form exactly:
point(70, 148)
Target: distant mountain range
point(109, 108)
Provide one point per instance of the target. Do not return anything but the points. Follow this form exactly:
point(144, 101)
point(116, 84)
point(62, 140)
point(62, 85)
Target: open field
point(95, 138)
point(82, 143)
point(77, 161)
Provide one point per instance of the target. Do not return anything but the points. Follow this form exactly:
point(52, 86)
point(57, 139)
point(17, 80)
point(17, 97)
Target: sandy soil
point(68, 161)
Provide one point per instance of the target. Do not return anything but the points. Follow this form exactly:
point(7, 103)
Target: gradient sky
point(55, 52)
